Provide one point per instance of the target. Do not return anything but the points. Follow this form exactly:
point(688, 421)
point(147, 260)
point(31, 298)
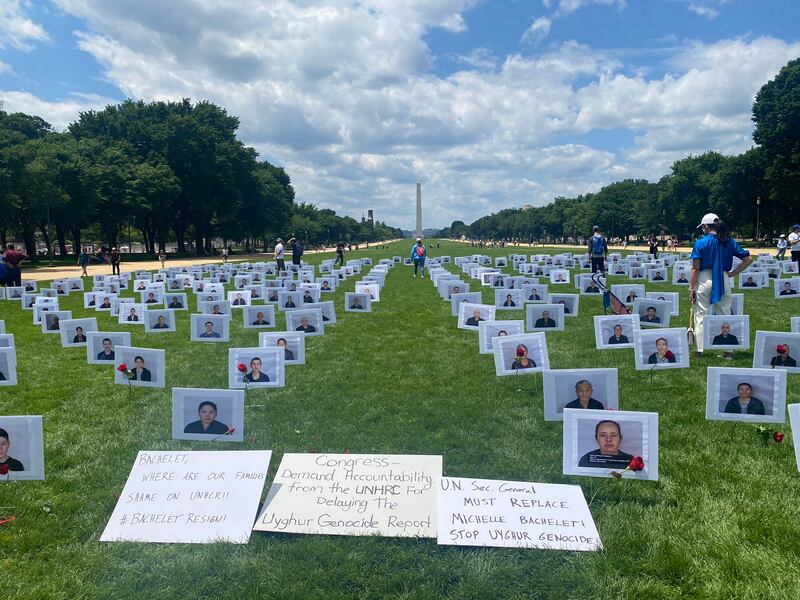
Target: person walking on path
point(781, 247)
point(114, 258)
point(418, 255)
point(652, 241)
point(162, 257)
point(280, 255)
point(794, 243)
point(83, 261)
point(598, 250)
point(340, 254)
point(225, 255)
point(13, 258)
point(712, 273)
point(297, 251)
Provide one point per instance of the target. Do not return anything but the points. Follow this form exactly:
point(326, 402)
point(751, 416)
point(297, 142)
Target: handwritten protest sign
point(486, 512)
point(191, 497)
point(353, 494)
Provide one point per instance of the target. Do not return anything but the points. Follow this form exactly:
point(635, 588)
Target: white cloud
point(343, 96)
point(566, 7)
point(16, 29)
point(709, 12)
point(59, 113)
point(5, 68)
point(538, 30)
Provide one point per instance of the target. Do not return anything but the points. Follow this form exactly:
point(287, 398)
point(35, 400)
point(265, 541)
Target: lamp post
point(758, 218)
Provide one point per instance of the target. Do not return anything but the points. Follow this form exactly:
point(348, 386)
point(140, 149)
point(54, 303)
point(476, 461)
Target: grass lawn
point(722, 522)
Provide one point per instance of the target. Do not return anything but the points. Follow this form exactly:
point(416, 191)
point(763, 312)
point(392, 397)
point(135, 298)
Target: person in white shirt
point(280, 253)
point(794, 241)
point(781, 247)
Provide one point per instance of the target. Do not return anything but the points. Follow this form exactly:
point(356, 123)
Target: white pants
point(702, 305)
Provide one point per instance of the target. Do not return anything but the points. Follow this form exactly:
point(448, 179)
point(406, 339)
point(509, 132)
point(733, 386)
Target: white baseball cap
point(708, 219)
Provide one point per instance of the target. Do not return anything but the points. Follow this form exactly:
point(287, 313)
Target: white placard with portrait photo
point(73, 331)
point(177, 301)
point(355, 302)
point(306, 320)
point(328, 311)
point(161, 320)
point(239, 298)
point(520, 354)
point(22, 447)
point(588, 389)
point(215, 307)
point(131, 313)
point(775, 349)
point(559, 277)
point(536, 292)
point(151, 296)
point(373, 289)
point(672, 297)
point(288, 300)
point(292, 343)
point(262, 368)
point(453, 287)
point(101, 346)
point(628, 293)
point(51, 321)
point(787, 288)
point(456, 300)
point(756, 395)
point(104, 302)
point(6, 340)
point(653, 313)
point(795, 324)
point(666, 348)
point(570, 302)
point(470, 315)
point(599, 442)
point(544, 317)
point(753, 280)
point(680, 274)
point(148, 366)
point(210, 328)
point(508, 299)
point(726, 333)
point(259, 317)
point(656, 275)
point(487, 330)
point(8, 366)
point(207, 415)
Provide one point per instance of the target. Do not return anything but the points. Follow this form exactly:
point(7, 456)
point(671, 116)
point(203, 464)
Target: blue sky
point(489, 104)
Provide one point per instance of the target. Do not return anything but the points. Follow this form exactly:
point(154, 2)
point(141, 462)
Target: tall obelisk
point(419, 209)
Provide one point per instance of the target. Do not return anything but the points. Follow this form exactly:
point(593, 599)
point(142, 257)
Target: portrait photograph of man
point(736, 394)
point(73, 331)
point(488, 330)
point(306, 321)
point(159, 321)
point(568, 301)
point(776, 350)
point(357, 302)
point(586, 389)
point(100, 347)
point(210, 328)
point(256, 367)
point(258, 317)
point(727, 332)
point(291, 342)
point(22, 448)
point(544, 317)
point(652, 312)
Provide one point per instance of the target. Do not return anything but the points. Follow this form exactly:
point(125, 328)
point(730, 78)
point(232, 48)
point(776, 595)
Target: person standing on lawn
point(280, 255)
point(598, 250)
point(114, 258)
point(13, 258)
point(418, 255)
point(83, 261)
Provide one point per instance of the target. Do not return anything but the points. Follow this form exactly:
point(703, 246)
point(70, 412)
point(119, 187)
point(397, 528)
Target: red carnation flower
point(781, 349)
point(669, 355)
point(520, 352)
point(241, 367)
point(636, 464)
point(778, 436)
point(4, 469)
point(123, 368)
point(231, 430)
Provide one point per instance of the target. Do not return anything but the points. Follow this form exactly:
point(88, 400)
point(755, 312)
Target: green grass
point(722, 522)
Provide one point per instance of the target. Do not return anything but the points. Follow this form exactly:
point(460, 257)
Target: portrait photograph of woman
point(520, 354)
point(145, 366)
point(587, 389)
point(22, 447)
point(756, 395)
point(661, 348)
point(210, 415)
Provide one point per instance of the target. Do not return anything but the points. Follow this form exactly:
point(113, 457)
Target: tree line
point(170, 171)
point(757, 192)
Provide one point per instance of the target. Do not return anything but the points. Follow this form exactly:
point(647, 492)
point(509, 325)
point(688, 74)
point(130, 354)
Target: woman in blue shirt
point(712, 272)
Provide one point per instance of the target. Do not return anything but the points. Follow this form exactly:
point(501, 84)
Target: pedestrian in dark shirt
point(13, 258)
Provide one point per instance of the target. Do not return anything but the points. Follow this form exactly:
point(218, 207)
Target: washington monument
point(419, 209)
